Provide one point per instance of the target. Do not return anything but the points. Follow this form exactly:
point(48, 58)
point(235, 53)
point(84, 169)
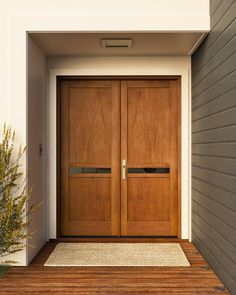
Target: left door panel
point(89, 157)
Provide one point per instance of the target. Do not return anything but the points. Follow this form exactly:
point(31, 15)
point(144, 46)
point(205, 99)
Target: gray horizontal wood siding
point(214, 143)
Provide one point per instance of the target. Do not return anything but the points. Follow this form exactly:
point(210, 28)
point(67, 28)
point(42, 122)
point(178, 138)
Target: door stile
point(173, 158)
point(115, 160)
point(64, 156)
point(124, 156)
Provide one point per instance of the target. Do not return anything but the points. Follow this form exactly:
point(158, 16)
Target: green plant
point(14, 197)
point(3, 270)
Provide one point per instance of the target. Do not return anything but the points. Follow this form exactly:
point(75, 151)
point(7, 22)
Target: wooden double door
point(119, 157)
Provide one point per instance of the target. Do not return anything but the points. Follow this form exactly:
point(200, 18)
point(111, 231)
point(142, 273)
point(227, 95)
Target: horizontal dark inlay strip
point(74, 170)
point(149, 170)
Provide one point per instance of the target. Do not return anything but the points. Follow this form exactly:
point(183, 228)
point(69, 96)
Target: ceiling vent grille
point(116, 43)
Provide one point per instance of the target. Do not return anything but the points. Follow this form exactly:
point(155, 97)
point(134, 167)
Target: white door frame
point(121, 66)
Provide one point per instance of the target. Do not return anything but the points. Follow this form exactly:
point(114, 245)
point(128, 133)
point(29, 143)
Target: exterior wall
point(36, 135)
point(4, 73)
point(104, 7)
point(121, 66)
point(214, 143)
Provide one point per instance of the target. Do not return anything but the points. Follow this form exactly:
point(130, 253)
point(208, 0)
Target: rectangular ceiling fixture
point(116, 43)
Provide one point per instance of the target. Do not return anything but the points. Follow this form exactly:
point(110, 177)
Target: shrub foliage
point(14, 214)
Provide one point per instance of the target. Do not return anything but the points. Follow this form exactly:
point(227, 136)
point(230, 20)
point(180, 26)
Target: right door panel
point(150, 135)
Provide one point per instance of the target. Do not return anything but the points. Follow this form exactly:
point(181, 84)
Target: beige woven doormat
point(117, 254)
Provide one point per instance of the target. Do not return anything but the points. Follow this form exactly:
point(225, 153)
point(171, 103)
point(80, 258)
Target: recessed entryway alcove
point(67, 54)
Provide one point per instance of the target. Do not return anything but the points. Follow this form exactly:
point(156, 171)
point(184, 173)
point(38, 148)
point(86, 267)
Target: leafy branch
point(14, 196)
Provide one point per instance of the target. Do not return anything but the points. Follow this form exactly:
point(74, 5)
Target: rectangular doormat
point(117, 254)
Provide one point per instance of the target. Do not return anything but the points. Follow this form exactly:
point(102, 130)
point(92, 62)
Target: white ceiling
point(89, 44)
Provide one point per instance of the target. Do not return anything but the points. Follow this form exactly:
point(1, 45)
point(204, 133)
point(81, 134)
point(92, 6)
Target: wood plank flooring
point(37, 279)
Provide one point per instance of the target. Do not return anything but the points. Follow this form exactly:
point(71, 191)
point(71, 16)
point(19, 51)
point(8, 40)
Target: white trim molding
point(121, 66)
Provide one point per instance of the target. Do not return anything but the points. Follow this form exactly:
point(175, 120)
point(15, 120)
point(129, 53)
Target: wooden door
point(89, 157)
point(150, 145)
point(94, 200)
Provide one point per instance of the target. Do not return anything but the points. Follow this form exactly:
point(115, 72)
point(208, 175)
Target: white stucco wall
point(105, 7)
point(36, 135)
point(19, 17)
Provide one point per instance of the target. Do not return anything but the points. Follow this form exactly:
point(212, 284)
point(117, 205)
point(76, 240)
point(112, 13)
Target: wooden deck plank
point(37, 279)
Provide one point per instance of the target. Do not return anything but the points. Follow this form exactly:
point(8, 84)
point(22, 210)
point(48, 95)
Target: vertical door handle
point(123, 169)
